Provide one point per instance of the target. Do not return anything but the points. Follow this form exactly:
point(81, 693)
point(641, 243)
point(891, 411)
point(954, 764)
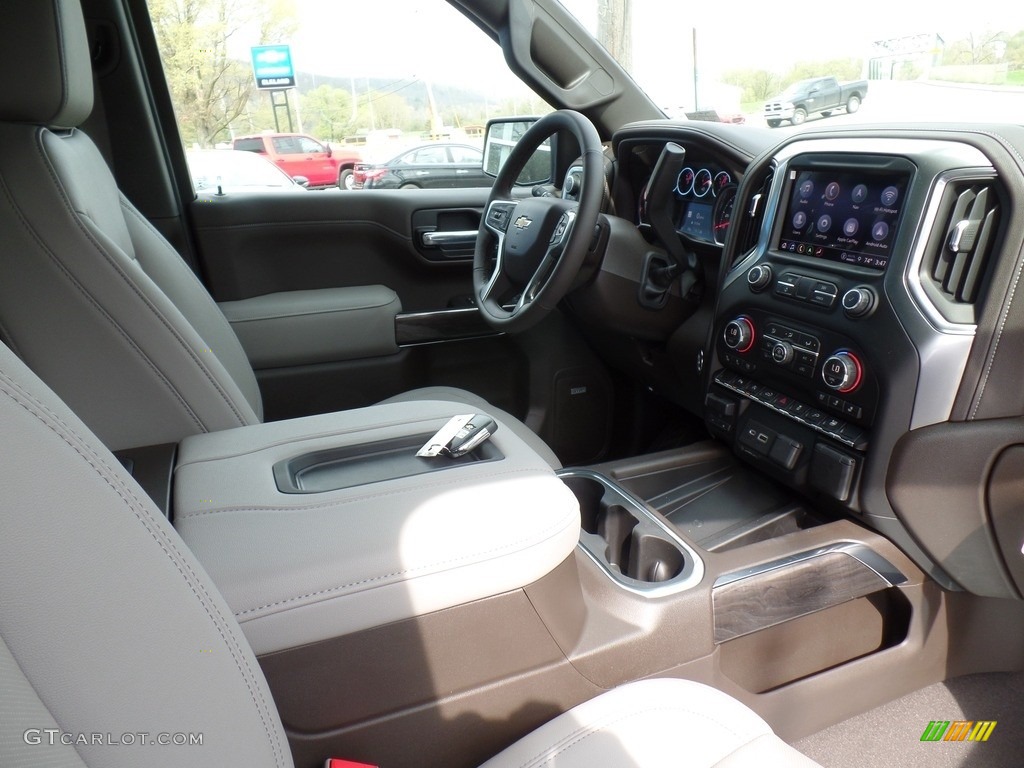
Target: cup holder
point(630, 544)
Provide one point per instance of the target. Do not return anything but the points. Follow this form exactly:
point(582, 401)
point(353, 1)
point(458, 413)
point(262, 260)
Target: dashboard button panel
point(810, 290)
point(834, 427)
point(838, 429)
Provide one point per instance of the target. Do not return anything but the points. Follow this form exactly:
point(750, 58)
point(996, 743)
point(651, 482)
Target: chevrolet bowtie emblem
point(523, 222)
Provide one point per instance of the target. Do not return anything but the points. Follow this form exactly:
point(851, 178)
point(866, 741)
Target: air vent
point(751, 215)
point(961, 246)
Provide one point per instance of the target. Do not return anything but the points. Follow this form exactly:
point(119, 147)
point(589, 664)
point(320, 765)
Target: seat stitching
point(137, 507)
point(132, 286)
point(288, 315)
point(239, 349)
point(298, 439)
point(361, 497)
point(543, 535)
point(170, 328)
point(582, 733)
point(62, 268)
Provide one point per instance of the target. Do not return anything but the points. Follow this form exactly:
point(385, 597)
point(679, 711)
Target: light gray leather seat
point(93, 298)
point(110, 628)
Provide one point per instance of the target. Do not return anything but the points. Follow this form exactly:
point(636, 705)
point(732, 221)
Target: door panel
point(415, 242)
point(253, 245)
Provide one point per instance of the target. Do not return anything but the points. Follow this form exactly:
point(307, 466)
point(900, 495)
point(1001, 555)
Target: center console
point(829, 342)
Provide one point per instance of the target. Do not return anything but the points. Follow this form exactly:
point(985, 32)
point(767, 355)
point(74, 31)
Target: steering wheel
point(541, 241)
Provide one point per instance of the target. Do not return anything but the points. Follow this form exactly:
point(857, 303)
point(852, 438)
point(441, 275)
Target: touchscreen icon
point(880, 231)
point(890, 195)
point(799, 220)
point(824, 223)
point(806, 188)
point(832, 191)
point(859, 194)
point(850, 227)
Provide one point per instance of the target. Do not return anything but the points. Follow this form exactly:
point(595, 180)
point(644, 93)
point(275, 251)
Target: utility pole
point(615, 29)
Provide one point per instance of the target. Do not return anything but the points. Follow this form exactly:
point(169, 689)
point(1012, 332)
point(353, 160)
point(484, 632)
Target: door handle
point(440, 239)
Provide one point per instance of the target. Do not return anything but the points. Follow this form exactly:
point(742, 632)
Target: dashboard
point(854, 286)
point(703, 194)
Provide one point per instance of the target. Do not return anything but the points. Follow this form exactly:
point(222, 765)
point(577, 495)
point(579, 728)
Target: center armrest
point(300, 567)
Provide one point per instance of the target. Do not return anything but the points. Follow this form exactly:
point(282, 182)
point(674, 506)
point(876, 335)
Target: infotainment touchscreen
point(846, 215)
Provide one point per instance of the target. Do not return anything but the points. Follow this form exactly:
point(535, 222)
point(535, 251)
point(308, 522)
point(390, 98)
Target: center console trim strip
point(858, 551)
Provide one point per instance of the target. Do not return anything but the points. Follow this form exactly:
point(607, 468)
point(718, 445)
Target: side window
point(431, 156)
point(334, 82)
point(467, 156)
point(250, 145)
point(309, 147)
point(287, 145)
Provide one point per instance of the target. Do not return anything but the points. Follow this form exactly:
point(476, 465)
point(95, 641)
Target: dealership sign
point(272, 66)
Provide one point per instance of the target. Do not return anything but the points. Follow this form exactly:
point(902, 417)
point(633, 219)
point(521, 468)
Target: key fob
point(471, 435)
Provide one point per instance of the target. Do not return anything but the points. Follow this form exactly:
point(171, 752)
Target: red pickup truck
point(303, 156)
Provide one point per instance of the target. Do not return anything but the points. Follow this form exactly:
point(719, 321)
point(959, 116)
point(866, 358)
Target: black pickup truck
point(816, 94)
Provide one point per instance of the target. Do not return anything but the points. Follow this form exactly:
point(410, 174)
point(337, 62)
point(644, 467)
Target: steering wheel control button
point(759, 277)
point(498, 217)
point(842, 372)
point(739, 334)
point(859, 302)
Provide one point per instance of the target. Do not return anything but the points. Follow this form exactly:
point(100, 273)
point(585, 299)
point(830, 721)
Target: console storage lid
point(300, 567)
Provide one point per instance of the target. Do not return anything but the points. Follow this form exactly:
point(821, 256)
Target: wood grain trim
point(770, 598)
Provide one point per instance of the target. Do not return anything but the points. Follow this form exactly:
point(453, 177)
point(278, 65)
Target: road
point(889, 101)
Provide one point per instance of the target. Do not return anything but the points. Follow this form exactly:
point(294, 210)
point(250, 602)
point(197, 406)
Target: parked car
point(230, 170)
point(821, 95)
point(431, 166)
point(299, 155)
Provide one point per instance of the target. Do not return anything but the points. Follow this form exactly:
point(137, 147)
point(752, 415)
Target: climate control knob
point(739, 334)
point(858, 302)
point(782, 352)
point(759, 277)
point(842, 371)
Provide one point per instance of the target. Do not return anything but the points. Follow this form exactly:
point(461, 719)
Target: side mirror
point(302, 181)
point(502, 135)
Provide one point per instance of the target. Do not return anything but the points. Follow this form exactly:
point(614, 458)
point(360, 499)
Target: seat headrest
point(44, 53)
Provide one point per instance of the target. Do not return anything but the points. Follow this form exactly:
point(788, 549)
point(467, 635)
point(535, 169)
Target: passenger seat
point(110, 626)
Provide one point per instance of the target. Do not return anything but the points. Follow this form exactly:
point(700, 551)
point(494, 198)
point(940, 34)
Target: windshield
point(952, 62)
point(411, 72)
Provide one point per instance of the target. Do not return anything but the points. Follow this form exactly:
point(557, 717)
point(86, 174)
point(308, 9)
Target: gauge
point(702, 182)
point(722, 217)
point(722, 180)
point(684, 182)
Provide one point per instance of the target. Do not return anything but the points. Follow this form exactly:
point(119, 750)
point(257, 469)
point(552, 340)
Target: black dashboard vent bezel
point(968, 230)
point(752, 216)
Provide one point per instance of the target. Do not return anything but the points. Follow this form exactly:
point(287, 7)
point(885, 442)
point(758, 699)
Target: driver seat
point(93, 298)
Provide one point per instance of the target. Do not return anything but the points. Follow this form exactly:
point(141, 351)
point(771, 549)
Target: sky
point(400, 38)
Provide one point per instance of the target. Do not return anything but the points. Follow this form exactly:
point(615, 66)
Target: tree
point(976, 48)
point(327, 112)
point(615, 29)
point(208, 86)
point(757, 84)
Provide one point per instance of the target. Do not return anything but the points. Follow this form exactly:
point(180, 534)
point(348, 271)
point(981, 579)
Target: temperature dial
point(739, 334)
point(842, 372)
